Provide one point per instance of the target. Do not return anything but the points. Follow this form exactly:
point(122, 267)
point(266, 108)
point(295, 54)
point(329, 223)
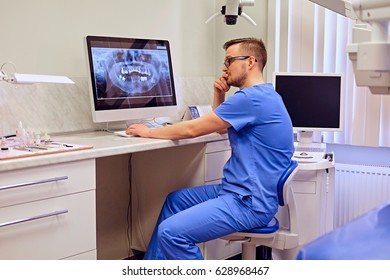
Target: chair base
point(254, 252)
point(263, 253)
point(260, 252)
point(281, 240)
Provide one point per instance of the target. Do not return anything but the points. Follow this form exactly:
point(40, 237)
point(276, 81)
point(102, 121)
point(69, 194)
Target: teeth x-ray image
point(124, 73)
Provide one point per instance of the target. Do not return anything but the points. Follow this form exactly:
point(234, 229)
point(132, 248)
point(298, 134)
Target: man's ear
point(252, 62)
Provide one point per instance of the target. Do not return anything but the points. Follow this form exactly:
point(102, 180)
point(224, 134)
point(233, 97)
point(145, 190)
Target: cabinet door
point(53, 228)
point(214, 164)
point(314, 197)
point(24, 185)
point(216, 155)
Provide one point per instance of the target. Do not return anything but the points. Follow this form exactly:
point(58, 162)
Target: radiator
point(358, 189)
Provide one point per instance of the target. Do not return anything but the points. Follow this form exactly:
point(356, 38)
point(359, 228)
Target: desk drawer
point(214, 163)
point(46, 235)
point(217, 146)
point(25, 185)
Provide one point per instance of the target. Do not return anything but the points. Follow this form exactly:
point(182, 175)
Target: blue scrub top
point(262, 142)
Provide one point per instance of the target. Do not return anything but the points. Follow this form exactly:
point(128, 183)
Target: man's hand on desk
point(223, 131)
point(206, 124)
point(139, 130)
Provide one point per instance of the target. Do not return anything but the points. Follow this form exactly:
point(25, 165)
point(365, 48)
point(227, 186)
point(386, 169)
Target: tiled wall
point(61, 108)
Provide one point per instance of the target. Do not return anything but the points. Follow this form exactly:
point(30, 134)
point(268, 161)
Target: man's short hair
point(251, 46)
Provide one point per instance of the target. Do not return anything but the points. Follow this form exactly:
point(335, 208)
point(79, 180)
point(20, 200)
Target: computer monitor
point(130, 78)
point(314, 101)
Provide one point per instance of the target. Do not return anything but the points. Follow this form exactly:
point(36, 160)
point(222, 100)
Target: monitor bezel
point(341, 102)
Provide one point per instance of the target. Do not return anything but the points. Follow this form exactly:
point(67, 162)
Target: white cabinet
point(314, 196)
point(48, 212)
point(313, 188)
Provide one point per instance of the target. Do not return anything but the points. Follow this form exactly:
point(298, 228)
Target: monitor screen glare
point(130, 78)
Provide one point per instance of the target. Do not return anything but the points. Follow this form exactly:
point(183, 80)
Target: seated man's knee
point(173, 200)
point(173, 196)
point(165, 232)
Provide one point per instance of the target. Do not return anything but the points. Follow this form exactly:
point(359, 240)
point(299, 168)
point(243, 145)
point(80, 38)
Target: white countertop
point(104, 144)
point(107, 144)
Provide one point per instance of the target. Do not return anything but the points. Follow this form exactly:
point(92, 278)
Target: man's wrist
point(219, 93)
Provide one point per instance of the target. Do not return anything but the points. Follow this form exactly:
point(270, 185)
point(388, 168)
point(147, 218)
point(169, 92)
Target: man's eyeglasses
point(229, 60)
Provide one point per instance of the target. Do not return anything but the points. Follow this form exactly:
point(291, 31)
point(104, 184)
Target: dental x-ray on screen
point(130, 78)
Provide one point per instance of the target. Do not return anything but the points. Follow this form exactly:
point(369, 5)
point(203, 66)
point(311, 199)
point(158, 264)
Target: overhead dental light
point(232, 10)
point(17, 78)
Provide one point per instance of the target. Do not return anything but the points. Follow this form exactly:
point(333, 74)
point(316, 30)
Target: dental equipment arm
point(370, 48)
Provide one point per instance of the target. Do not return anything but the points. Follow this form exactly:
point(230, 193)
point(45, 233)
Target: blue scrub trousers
point(198, 214)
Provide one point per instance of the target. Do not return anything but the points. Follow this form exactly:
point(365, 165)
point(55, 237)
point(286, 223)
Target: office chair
point(272, 235)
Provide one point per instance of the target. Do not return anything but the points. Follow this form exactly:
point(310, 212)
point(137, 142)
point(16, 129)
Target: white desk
point(96, 195)
point(105, 144)
point(84, 186)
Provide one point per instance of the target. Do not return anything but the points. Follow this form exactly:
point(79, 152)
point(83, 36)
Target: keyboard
point(153, 124)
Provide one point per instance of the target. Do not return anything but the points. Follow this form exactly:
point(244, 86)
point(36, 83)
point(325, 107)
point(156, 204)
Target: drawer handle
point(55, 179)
point(33, 218)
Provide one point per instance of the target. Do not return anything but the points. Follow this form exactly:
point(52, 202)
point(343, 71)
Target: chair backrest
point(284, 181)
point(288, 215)
point(286, 234)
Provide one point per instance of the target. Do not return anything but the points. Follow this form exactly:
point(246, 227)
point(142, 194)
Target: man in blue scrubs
point(261, 137)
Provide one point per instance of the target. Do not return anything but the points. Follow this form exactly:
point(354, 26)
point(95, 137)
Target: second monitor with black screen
point(314, 101)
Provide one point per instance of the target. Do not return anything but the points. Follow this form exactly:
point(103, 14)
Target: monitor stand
point(305, 144)
point(305, 137)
